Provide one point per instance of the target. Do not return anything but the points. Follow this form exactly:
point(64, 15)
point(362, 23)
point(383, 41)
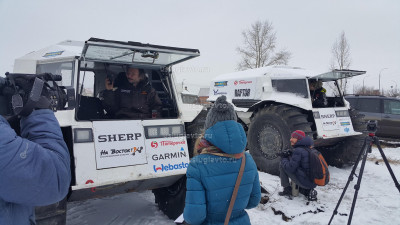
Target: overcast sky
point(306, 28)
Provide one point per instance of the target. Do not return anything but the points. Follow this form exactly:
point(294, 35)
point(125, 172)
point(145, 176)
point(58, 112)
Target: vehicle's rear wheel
point(171, 200)
point(269, 134)
point(346, 152)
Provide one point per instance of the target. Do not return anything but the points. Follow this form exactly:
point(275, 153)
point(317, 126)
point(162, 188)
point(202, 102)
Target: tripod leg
point(357, 186)
point(352, 173)
point(376, 141)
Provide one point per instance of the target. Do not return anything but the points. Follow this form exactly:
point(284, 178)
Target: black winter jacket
point(130, 102)
point(299, 162)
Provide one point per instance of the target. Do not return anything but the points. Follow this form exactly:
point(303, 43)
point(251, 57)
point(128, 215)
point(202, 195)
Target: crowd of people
point(222, 178)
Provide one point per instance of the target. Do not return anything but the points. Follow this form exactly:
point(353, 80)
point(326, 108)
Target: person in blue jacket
point(34, 168)
point(297, 167)
point(211, 175)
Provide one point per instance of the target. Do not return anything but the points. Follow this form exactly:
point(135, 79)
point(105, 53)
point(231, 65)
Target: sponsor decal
point(347, 130)
point(327, 116)
point(329, 123)
point(121, 152)
point(217, 92)
point(220, 83)
point(172, 143)
point(344, 123)
point(118, 137)
point(168, 155)
point(154, 144)
point(242, 82)
point(242, 92)
point(169, 167)
point(52, 54)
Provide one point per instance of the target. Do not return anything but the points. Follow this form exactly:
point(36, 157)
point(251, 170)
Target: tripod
point(366, 148)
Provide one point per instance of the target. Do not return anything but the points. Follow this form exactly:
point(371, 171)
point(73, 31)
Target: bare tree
point(259, 47)
point(366, 90)
point(341, 58)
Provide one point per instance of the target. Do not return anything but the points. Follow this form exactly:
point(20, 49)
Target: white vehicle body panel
point(114, 168)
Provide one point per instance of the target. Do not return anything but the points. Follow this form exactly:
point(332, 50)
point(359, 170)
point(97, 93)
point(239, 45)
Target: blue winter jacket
point(211, 179)
point(299, 162)
point(34, 169)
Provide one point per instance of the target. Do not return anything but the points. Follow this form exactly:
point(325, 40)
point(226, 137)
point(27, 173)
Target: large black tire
point(269, 133)
point(171, 200)
point(346, 151)
point(54, 214)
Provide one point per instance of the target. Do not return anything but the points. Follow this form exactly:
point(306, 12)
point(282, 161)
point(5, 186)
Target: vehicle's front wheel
point(269, 133)
point(171, 200)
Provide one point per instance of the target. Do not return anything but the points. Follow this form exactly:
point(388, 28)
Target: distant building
point(203, 95)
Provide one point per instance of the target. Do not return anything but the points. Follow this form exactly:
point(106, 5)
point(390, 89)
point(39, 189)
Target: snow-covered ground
point(378, 201)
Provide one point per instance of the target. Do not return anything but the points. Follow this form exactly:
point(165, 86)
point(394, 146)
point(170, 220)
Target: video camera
point(20, 93)
point(372, 126)
point(285, 153)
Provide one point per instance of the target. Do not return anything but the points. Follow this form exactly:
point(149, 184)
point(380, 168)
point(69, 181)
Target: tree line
point(259, 50)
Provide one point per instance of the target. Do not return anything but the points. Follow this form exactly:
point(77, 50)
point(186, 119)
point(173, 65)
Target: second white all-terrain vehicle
point(271, 102)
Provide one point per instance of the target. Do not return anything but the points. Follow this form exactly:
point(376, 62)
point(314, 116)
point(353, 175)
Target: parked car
point(385, 110)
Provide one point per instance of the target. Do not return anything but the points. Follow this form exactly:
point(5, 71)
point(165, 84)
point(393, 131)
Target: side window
point(65, 69)
point(369, 105)
point(88, 83)
point(295, 86)
point(391, 107)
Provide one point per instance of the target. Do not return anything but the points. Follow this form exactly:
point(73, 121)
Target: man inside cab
point(318, 94)
point(134, 98)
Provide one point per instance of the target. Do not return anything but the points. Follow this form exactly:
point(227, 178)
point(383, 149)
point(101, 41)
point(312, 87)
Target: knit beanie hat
point(298, 134)
point(220, 111)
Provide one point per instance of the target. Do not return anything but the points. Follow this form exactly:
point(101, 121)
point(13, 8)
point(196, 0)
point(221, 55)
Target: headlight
point(83, 135)
point(342, 113)
point(151, 132)
point(164, 131)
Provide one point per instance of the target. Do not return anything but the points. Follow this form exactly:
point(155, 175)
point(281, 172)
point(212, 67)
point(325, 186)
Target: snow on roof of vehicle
point(277, 72)
point(64, 49)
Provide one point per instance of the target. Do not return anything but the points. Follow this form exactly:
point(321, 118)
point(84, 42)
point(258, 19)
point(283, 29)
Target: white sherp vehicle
point(110, 156)
point(273, 101)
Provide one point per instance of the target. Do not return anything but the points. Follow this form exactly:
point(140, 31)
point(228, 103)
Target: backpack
point(319, 172)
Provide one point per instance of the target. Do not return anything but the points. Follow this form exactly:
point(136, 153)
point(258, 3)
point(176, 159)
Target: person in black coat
point(297, 165)
point(318, 94)
point(134, 98)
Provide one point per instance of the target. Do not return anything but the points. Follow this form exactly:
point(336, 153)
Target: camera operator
point(34, 167)
point(296, 166)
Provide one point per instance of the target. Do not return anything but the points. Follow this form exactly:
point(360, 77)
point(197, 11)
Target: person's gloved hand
point(25, 85)
point(285, 153)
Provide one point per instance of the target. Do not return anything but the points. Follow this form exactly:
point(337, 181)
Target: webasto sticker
point(169, 167)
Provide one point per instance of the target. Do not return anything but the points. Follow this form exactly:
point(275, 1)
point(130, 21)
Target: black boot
point(312, 195)
point(304, 191)
point(287, 191)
